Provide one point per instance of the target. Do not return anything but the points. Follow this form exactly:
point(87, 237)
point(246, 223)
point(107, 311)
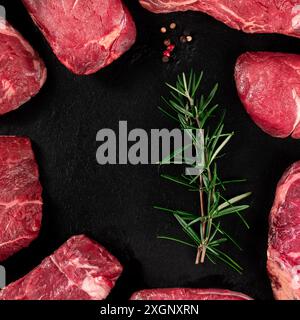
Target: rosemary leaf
point(234, 200)
point(177, 240)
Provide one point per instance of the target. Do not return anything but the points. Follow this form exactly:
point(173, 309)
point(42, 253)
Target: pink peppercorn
point(171, 47)
point(167, 53)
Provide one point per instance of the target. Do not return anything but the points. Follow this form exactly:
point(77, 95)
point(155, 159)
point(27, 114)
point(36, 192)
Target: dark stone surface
point(113, 204)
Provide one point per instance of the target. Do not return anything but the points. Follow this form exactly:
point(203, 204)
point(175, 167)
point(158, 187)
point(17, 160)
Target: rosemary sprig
point(192, 110)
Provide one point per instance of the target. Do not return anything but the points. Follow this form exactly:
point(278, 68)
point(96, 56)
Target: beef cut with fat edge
point(269, 86)
point(22, 72)
point(253, 16)
point(188, 294)
point(20, 196)
point(284, 237)
point(80, 269)
point(85, 35)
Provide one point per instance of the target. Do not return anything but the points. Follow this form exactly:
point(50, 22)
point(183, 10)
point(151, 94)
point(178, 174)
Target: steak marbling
point(22, 72)
point(269, 86)
point(284, 237)
point(253, 16)
point(188, 294)
point(85, 35)
point(20, 196)
point(80, 269)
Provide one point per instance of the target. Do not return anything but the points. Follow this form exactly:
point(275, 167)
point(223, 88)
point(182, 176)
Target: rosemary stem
point(202, 214)
point(201, 250)
point(203, 253)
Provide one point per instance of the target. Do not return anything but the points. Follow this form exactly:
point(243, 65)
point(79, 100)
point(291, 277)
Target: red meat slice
point(269, 87)
point(80, 269)
point(85, 35)
point(20, 196)
point(284, 237)
point(22, 72)
point(254, 16)
point(188, 294)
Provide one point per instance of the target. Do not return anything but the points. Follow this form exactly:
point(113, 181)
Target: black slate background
point(113, 204)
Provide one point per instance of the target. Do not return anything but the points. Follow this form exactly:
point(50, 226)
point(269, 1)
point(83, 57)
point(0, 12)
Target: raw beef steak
point(284, 237)
point(86, 35)
point(188, 294)
point(254, 16)
point(22, 72)
point(80, 269)
point(20, 196)
point(269, 87)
